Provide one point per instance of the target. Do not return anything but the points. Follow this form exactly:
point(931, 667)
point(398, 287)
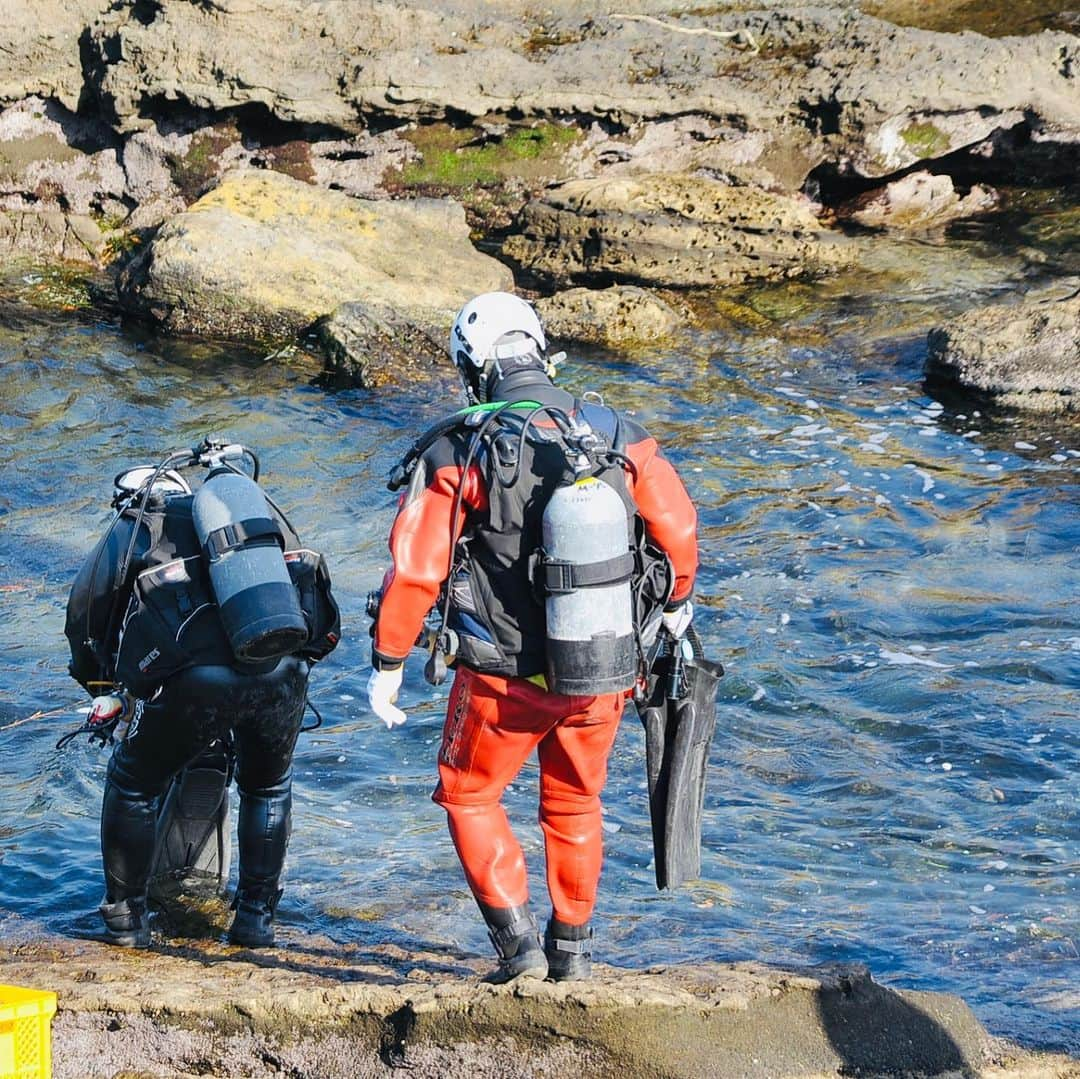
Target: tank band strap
point(239, 534)
point(558, 576)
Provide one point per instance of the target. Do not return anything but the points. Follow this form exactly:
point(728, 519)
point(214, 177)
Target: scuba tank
point(586, 569)
point(259, 608)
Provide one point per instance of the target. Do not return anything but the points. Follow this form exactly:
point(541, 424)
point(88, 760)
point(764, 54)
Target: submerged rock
point(620, 316)
point(313, 1007)
point(1025, 354)
point(263, 254)
point(372, 346)
point(675, 230)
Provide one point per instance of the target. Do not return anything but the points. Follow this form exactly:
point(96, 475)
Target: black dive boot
point(126, 922)
point(569, 951)
point(265, 821)
point(516, 937)
point(253, 925)
point(128, 822)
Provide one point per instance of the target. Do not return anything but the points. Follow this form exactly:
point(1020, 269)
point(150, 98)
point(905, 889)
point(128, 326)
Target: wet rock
point(315, 1007)
point(677, 231)
point(263, 254)
point(1025, 354)
point(621, 316)
point(371, 345)
point(918, 203)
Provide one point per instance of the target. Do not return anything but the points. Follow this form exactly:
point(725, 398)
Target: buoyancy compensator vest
point(243, 547)
point(161, 552)
point(170, 621)
point(558, 578)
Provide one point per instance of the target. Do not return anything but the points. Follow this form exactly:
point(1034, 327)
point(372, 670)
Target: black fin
point(192, 850)
point(678, 734)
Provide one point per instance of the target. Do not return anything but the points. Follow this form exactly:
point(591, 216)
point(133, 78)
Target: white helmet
point(132, 480)
point(477, 337)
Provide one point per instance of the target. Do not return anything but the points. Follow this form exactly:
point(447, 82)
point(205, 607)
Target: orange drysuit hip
point(492, 725)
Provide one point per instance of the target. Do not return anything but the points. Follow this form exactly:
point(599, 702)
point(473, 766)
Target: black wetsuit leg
point(265, 735)
point(196, 707)
point(172, 730)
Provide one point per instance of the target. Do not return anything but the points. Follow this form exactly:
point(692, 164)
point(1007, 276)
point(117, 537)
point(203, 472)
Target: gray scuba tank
point(241, 543)
point(587, 565)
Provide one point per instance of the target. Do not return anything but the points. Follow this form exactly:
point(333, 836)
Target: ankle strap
point(506, 935)
point(574, 947)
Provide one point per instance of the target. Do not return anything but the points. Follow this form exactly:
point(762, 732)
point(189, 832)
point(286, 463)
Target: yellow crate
point(25, 1033)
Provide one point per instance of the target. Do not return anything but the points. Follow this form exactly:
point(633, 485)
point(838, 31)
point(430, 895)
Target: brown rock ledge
point(318, 1008)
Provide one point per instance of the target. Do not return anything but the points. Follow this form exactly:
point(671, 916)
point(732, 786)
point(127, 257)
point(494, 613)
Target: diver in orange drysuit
point(500, 708)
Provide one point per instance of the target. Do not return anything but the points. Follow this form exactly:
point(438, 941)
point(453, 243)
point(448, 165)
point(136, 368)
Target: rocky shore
point(314, 1008)
point(347, 176)
point(341, 177)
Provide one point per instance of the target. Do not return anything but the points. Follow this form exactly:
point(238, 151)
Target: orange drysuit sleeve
point(420, 545)
point(667, 511)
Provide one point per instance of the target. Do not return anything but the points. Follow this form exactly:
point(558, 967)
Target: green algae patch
point(57, 288)
point(741, 314)
point(492, 171)
point(360, 914)
point(925, 140)
point(461, 157)
point(785, 302)
point(195, 170)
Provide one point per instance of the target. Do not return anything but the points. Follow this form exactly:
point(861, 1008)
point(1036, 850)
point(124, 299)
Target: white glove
point(677, 622)
point(382, 691)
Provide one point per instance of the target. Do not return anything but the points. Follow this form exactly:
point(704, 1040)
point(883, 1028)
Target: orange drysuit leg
point(489, 733)
point(492, 726)
point(573, 770)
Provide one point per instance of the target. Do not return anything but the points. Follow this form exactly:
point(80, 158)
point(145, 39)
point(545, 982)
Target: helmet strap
point(551, 364)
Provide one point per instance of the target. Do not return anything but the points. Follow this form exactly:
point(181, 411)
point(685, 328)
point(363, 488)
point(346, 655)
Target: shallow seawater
point(890, 578)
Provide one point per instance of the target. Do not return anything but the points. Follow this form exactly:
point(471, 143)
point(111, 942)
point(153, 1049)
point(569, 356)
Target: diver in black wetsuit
point(148, 639)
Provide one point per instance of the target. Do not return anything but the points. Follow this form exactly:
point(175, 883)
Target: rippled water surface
point(890, 578)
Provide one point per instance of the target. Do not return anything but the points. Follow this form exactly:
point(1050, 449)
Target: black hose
point(318, 717)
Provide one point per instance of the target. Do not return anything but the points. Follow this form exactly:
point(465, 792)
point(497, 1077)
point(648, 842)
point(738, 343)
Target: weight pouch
point(312, 581)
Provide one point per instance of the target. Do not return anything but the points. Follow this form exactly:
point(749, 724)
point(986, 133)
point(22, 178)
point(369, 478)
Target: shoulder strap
point(137, 518)
point(464, 418)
